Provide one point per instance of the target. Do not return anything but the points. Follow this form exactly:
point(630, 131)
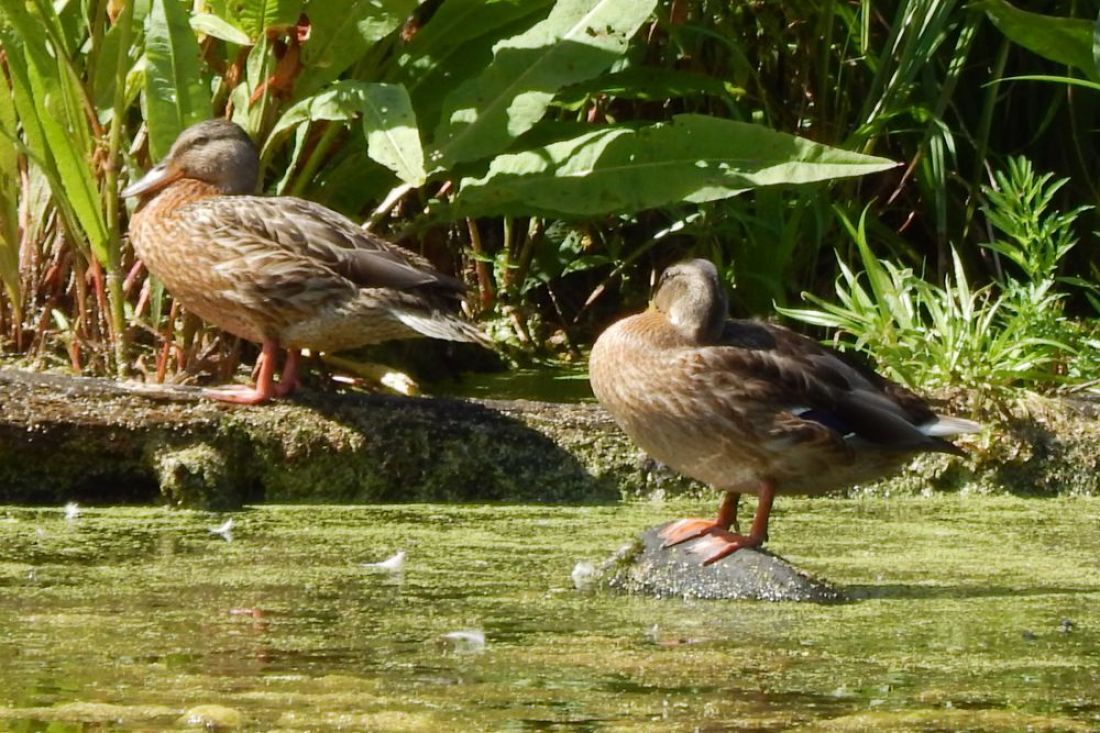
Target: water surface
point(974, 614)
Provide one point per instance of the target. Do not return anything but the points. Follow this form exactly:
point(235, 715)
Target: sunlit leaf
point(341, 32)
point(622, 169)
point(648, 83)
point(457, 44)
point(389, 123)
point(255, 17)
point(212, 25)
point(392, 136)
point(578, 40)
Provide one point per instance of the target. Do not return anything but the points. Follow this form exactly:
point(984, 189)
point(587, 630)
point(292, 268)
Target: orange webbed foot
point(713, 541)
point(238, 394)
point(288, 381)
point(719, 544)
point(685, 530)
point(264, 390)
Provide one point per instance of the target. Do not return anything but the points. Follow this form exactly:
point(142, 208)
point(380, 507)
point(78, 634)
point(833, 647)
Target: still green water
point(974, 613)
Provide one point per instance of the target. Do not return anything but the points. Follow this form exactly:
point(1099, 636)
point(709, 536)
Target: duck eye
point(200, 141)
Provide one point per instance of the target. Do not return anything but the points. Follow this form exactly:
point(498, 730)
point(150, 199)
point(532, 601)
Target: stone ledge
point(99, 441)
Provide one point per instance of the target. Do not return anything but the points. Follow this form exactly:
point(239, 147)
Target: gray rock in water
point(647, 568)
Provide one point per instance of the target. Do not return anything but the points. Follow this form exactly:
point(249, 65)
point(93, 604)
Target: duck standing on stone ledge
point(751, 407)
point(281, 271)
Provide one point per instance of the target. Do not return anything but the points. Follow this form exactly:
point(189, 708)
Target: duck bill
point(157, 178)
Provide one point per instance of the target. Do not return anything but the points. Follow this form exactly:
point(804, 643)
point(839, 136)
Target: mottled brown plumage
point(752, 407)
point(281, 271)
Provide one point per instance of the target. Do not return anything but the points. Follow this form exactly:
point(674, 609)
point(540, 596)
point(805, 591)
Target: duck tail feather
point(945, 425)
point(443, 326)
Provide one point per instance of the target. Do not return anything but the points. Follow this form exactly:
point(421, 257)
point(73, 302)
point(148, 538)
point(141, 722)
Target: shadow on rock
point(97, 440)
point(437, 449)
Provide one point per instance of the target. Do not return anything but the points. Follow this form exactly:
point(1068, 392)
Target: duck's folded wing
point(790, 373)
point(307, 230)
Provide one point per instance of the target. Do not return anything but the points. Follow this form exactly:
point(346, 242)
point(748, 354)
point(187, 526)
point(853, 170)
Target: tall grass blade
point(48, 106)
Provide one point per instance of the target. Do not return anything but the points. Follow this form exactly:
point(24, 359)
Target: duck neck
point(176, 194)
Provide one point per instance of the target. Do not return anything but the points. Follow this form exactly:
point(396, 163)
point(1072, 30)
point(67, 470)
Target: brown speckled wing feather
point(306, 230)
point(791, 372)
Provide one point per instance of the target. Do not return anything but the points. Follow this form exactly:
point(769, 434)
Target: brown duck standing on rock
point(281, 271)
point(751, 407)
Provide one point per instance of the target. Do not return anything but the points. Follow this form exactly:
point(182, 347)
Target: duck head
point(217, 152)
point(690, 296)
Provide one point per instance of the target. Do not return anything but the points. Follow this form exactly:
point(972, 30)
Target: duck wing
point(308, 231)
point(821, 387)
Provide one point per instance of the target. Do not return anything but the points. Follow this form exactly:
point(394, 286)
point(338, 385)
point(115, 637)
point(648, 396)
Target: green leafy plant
point(991, 340)
point(552, 151)
point(422, 117)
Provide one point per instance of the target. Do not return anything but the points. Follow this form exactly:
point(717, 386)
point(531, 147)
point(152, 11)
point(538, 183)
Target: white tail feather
point(442, 326)
point(944, 425)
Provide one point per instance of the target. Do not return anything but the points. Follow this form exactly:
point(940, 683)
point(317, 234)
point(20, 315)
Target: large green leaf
point(389, 123)
point(341, 32)
point(48, 103)
point(457, 22)
point(1062, 40)
point(392, 136)
point(578, 40)
point(620, 169)
point(255, 17)
point(175, 96)
point(456, 45)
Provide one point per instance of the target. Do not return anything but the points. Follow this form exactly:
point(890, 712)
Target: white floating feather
point(224, 530)
point(466, 641)
point(584, 573)
point(392, 564)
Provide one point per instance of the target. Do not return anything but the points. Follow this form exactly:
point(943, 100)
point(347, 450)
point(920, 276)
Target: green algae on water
point(973, 613)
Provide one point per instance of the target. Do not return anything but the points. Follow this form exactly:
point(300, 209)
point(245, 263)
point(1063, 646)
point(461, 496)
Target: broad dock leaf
point(577, 41)
point(341, 32)
point(621, 169)
point(456, 45)
point(389, 123)
point(392, 136)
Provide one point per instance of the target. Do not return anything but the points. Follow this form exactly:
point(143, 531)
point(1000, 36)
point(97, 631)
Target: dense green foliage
point(990, 339)
point(556, 153)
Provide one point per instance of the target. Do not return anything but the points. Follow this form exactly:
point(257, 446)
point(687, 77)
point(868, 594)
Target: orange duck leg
point(265, 387)
point(715, 539)
point(288, 380)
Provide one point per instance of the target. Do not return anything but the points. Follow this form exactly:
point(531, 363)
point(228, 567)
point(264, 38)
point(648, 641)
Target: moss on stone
point(98, 441)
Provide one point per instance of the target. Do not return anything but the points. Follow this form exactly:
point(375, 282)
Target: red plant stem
point(486, 296)
point(132, 276)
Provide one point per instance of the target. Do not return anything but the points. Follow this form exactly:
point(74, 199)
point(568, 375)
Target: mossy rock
point(98, 441)
point(646, 567)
